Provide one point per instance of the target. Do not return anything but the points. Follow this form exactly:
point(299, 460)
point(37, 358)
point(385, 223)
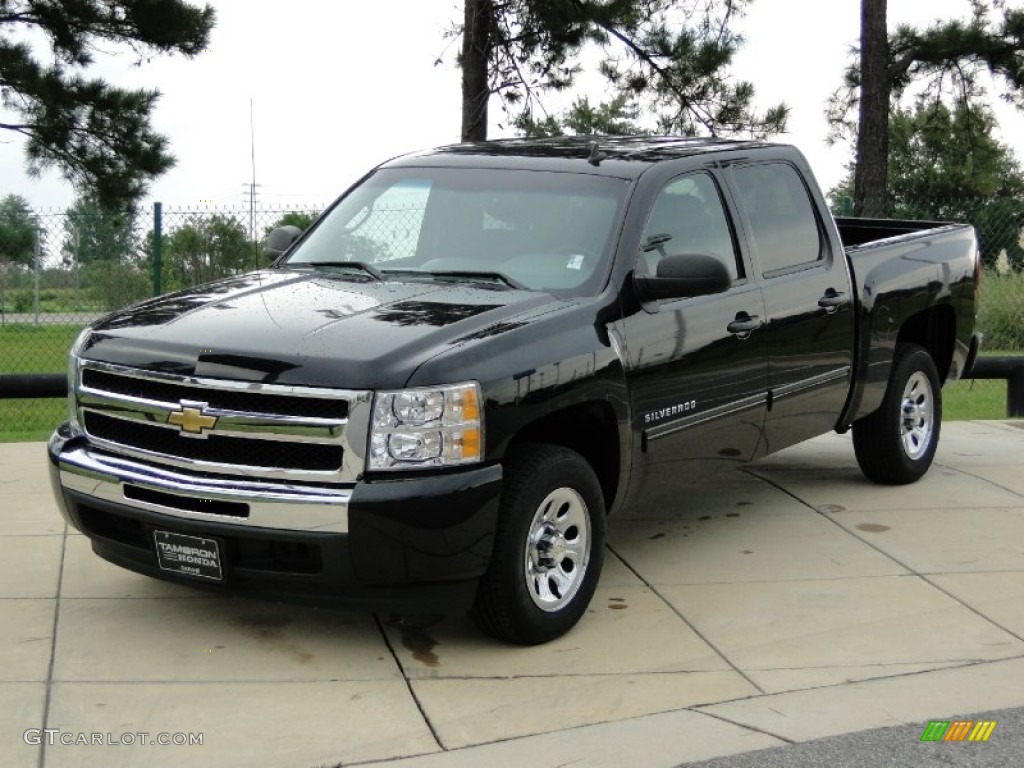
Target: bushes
point(113, 285)
point(1001, 315)
point(21, 301)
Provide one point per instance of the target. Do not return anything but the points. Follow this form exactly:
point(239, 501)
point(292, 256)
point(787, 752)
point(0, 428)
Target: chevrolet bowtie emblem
point(191, 420)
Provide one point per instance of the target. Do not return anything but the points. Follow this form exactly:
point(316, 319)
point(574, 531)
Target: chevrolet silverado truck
point(431, 400)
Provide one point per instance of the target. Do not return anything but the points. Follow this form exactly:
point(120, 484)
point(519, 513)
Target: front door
point(697, 367)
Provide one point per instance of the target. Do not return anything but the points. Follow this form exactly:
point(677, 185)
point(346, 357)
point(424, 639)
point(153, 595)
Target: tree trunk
point(476, 48)
point(871, 170)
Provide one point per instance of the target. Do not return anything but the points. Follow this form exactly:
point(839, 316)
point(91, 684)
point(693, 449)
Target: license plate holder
point(192, 556)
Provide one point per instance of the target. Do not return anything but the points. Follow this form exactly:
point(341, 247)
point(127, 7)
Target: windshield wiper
point(468, 273)
point(362, 266)
point(461, 273)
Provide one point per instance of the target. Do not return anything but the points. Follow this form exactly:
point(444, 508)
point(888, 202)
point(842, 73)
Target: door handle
point(833, 300)
point(744, 324)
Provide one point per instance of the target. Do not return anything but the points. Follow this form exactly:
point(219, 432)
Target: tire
point(548, 547)
point(895, 445)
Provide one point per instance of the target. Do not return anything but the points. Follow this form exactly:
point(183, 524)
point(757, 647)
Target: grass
point(30, 420)
point(33, 349)
point(36, 349)
point(974, 399)
point(51, 300)
point(1001, 311)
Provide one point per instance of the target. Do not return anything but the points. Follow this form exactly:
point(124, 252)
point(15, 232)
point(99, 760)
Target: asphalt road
point(900, 747)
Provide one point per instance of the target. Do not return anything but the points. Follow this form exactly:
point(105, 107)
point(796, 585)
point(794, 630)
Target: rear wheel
point(548, 548)
point(896, 444)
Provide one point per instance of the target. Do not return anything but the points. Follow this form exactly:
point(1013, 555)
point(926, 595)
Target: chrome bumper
point(271, 504)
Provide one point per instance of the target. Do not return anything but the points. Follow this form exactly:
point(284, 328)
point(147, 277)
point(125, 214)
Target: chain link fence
point(61, 270)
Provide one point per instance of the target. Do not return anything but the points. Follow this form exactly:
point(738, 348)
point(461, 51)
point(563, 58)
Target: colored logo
point(192, 419)
point(958, 730)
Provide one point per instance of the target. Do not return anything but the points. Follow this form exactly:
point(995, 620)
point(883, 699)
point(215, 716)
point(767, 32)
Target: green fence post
point(847, 206)
point(35, 267)
point(158, 236)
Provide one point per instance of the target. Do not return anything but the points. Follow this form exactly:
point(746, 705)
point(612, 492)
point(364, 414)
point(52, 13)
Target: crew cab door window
point(781, 218)
point(688, 217)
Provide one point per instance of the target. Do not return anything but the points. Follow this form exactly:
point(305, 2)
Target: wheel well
point(935, 330)
point(591, 430)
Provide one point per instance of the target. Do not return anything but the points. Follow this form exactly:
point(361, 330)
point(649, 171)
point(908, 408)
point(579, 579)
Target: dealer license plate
point(188, 555)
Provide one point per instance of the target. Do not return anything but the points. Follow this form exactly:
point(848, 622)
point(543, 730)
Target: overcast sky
point(340, 86)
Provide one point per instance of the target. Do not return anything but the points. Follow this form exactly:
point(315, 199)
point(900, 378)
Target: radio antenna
point(252, 186)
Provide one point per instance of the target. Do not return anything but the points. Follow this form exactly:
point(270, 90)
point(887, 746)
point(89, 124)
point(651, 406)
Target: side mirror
point(682, 276)
point(280, 240)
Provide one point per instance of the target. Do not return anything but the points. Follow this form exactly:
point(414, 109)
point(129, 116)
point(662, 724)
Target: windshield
point(534, 229)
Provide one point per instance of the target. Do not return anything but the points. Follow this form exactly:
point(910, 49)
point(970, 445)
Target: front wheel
point(896, 444)
point(548, 547)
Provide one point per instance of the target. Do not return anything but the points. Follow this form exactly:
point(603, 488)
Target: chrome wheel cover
point(557, 549)
point(918, 415)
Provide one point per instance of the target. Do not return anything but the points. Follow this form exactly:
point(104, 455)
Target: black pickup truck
point(433, 397)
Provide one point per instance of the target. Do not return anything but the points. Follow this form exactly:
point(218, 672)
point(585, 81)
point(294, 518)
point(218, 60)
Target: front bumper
point(417, 544)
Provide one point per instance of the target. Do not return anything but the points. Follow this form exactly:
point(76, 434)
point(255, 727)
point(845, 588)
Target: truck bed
point(855, 232)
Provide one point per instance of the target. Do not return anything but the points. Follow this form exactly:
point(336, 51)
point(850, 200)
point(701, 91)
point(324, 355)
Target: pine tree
point(669, 58)
point(97, 135)
point(946, 60)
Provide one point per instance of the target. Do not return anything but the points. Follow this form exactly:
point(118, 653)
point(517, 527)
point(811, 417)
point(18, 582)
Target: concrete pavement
point(783, 603)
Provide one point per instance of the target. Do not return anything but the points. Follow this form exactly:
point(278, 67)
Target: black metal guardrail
point(1011, 368)
point(26, 385)
point(1007, 367)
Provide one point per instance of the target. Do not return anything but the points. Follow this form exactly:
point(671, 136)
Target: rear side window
point(783, 224)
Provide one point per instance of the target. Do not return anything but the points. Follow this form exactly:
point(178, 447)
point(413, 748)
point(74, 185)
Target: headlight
point(426, 427)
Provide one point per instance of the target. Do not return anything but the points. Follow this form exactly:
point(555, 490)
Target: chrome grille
point(232, 400)
point(215, 448)
point(213, 425)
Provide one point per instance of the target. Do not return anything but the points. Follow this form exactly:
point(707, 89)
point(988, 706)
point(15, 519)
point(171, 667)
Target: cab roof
point(623, 156)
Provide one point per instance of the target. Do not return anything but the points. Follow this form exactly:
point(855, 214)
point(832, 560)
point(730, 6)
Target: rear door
point(808, 302)
point(697, 366)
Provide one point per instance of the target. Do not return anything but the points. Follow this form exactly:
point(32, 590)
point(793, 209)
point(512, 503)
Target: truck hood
point(309, 329)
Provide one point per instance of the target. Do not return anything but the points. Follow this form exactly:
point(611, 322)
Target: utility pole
point(252, 187)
